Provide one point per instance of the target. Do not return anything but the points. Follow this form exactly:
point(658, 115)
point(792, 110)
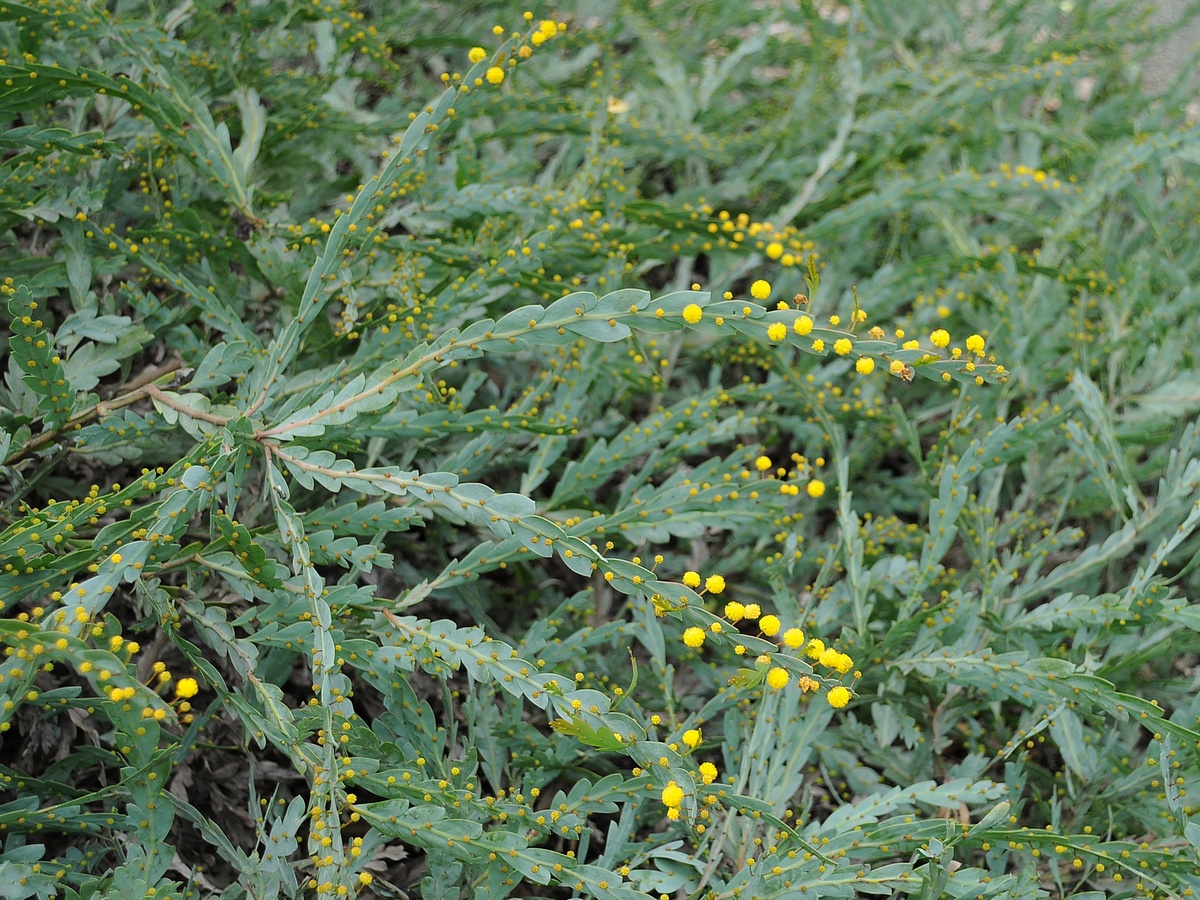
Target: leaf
point(34, 357)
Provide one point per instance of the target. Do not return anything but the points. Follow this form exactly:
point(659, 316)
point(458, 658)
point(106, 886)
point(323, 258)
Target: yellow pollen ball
point(692, 314)
point(760, 290)
point(839, 697)
point(672, 795)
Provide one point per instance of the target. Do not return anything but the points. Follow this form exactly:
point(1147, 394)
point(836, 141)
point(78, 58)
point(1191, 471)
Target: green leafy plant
point(703, 451)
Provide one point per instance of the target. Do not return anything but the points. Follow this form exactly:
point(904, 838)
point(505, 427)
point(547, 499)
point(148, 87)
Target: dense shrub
point(690, 449)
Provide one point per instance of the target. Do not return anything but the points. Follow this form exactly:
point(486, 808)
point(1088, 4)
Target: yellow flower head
point(803, 325)
point(477, 54)
point(692, 313)
point(769, 625)
point(692, 738)
point(777, 331)
point(760, 290)
point(708, 772)
point(672, 795)
point(694, 637)
point(940, 338)
point(864, 365)
point(691, 579)
point(734, 611)
point(494, 75)
point(793, 637)
point(838, 697)
point(714, 584)
point(842, 346)
point(778, 678)
point(763, 463)
point(816, 488)
point(186, 688)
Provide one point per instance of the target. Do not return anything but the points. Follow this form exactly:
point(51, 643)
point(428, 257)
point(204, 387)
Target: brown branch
point(136, 390)
point(181, 407)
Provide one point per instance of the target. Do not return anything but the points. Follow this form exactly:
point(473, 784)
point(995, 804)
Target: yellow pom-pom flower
point(477, 54)
point(692, 738)
point(769, 625)
point(691, 579)
point(778, 678)
point(838, 696)
point(494, 75)
point(693, 637)
point(672, 795)
point(975, 344)
point(803, 325)
point(734, 611)
point(760, 290)
point(777, 331)
point(816, 488)
point(692, 313)
point(708, 772)
point(763, 463)
point(864, 365)
point(793, 637)
point(186, 688)
point(714, 584)
point(940, 338)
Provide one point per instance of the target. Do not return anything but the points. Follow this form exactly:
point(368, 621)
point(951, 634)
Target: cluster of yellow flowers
point(495, 73)
point(672, 795)
point(73, 624)
point(802, 323)
point(776, 677)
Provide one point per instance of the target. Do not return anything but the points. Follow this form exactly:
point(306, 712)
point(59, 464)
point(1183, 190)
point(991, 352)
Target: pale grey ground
point(1175, 53)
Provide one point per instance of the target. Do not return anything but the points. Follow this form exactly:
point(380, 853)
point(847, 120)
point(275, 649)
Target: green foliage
point(692, 449)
